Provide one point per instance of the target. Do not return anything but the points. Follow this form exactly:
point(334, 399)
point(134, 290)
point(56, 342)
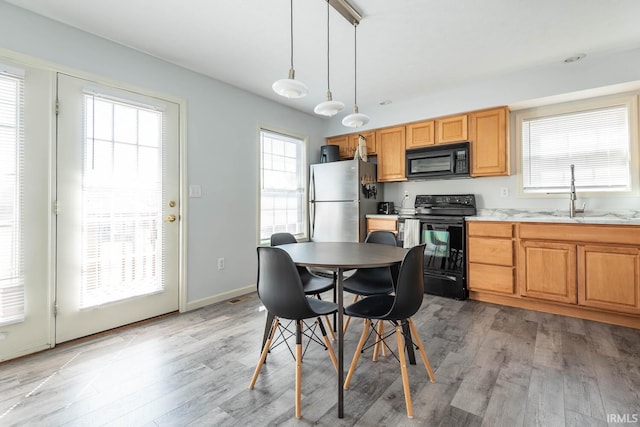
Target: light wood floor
point(494, 366)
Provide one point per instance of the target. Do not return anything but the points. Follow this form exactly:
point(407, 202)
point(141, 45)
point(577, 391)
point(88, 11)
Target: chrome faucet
point(572, 195)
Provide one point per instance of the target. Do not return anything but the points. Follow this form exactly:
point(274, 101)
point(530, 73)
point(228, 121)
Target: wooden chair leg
point(348, 318)
point(333, 334)
point(379, 342)
point(356, 355)
point(332, 354)
point(265, 350)
point(298, 368)
point(425, 360)
point(403, 370)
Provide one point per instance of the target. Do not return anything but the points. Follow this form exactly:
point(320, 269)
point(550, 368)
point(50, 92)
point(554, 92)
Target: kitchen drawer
point(487, 250)
point(490, 229)
point(374, 224)
point(492, 278)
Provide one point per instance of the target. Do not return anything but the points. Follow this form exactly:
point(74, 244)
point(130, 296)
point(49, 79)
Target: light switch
point(195, 191)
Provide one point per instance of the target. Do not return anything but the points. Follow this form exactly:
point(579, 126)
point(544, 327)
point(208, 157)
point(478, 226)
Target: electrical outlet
point(220, 263)
point(504, 191)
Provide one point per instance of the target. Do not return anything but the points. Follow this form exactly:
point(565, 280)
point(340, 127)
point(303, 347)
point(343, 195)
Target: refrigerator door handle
point(312, 208)
point(312, 186)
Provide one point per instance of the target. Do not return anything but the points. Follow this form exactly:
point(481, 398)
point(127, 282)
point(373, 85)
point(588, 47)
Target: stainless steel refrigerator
point(341, 194)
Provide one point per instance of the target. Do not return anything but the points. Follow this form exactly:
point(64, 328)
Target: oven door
point(444, 257)
point(444, 250)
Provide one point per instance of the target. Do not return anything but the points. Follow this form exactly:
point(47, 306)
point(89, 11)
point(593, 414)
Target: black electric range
point(439, 223)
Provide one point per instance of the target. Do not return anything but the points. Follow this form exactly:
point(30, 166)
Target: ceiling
point(406, 48)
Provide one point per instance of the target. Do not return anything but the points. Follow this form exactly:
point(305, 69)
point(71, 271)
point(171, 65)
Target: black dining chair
point(280, 290)
point(371, 281)
point(312, 284)
point(397, 309)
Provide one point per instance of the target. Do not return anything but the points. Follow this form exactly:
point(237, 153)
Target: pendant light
point(329, 107)
point(355, 119)
point(290, 88)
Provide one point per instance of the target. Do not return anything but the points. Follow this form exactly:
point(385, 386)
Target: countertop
point(629, 217)
point(383, 216)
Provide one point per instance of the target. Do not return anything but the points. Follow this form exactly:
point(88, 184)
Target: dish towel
point(411, 233)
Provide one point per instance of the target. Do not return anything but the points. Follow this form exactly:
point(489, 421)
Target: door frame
point(53, 68)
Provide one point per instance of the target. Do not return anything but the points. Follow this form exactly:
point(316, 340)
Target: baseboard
point(192, 305)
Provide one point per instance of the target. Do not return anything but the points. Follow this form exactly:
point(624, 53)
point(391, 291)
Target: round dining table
point(338, 257)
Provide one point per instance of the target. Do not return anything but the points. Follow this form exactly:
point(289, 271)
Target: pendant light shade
point(329, 107)
point(355, 119)
point(290, 87)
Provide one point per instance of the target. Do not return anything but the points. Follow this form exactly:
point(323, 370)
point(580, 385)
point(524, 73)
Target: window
point(597, 138)
point(283, 201)
point(11, 191)
point(121, 198)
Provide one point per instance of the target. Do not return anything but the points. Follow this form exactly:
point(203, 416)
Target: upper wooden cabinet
point(370, 136)
point(421, 134)
point(341, 141)
point(348, 143)
point(391, 154)
point(488, 133)
point(451, 129)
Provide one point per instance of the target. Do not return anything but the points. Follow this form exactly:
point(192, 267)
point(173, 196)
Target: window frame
point(304, 169)
point(630, 100)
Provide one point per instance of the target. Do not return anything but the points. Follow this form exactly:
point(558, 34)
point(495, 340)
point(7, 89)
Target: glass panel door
point(118, 183)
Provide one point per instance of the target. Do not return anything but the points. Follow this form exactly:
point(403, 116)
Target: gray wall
point(222, 139)
point(221, 132)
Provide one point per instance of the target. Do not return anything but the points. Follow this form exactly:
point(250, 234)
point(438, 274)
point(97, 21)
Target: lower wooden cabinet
point(490, 257)
point(548, 271)
point(609, 278)
point(588, 271)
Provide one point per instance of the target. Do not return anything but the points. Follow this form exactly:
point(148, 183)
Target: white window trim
point(305, 141)
point(628, 99)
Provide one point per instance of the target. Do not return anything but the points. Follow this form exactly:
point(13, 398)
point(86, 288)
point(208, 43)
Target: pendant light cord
point(328, 86)
point(355, 64)
point(291, 34)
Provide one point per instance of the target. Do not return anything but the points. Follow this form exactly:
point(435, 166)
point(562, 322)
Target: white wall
point(617, 72)
point(222, 143)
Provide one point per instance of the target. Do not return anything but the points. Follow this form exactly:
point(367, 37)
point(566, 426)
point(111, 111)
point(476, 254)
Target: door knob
point(171, 218)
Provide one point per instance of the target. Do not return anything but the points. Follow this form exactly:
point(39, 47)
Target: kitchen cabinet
point(548, 271)
point(343, 142)
point(371, 142)
point(491, 257)
point(609, 277)
point(488, 135)
point(391, 154)
point(451, 129)
point(420, 134)
point(589, 271)
point(382, 224)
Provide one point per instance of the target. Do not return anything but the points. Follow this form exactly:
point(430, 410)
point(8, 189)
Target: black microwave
point(439, 162)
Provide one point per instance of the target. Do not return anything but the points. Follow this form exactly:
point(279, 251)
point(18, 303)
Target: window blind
point(596, 141)
point(12, 299)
